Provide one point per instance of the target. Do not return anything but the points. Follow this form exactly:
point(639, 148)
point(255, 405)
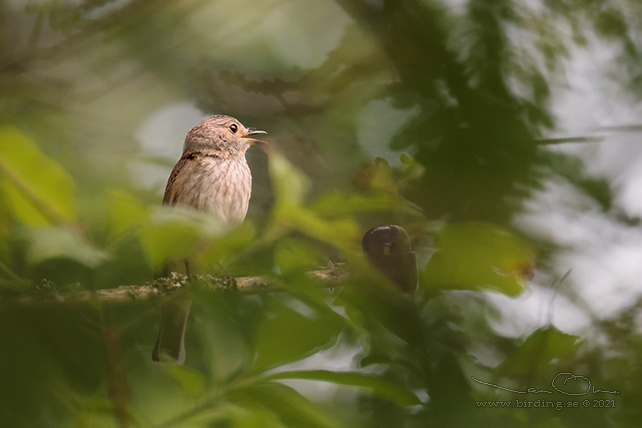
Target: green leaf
point(95, 412)
point(377, 176)
point(125, 214)
point(290, 187)
point(293, 330)
point(36, 188)
point(289, 184)
point(252, 417)
point(380, 387)
point(58, 242)
point(165, 240)
point(172, 233)
point(411, 168)
point(479, 256)
point(228, 415)
point(611, 23)
point(294, 409)
point(192, 381)
point(538, 351)
point(5, 234)
point(343, 233)
point(334, 203)
point(295, 256)
point(234, 242)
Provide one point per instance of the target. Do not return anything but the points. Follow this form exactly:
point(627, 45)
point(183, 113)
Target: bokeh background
point(503, 135)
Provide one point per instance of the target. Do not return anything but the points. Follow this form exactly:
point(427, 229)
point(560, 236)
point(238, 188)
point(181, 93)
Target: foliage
point(418, 113)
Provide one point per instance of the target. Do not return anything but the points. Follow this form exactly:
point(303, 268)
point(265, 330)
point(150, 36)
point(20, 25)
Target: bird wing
point(170, 196)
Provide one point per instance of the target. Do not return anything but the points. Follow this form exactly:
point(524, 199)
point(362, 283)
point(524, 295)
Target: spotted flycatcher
point(213, 176)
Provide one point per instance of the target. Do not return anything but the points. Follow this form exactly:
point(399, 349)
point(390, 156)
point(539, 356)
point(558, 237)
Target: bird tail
point(170, 344)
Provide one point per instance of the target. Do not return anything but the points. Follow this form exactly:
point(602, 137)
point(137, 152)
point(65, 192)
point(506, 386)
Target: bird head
point(223, 135)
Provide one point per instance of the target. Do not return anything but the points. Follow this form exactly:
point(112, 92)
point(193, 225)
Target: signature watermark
point(546, 404)
point(564, 383)
point(558, 383)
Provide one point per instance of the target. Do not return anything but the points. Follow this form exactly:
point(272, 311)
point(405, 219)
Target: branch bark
point(329, 276)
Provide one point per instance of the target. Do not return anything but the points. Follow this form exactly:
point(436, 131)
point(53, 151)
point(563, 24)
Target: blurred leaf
point(540, 349)
point(125, 214)
point(611, 23)
point(334, 203)
point(294, 409)
point(289, 184)
point(57, 242)
point(36, 188)
point(411, 168)
point(288, 334)
point(192, 382)
point(344, 233)
point(290, 187)
point(479, 256)
point(252, 417)
point(380, 387)
point(165, 240)
point(172, 233)
point(295, 256)
point(5, 234)
point(232, 243)
point(95, 412)
point(231, 415)
point(376, 176)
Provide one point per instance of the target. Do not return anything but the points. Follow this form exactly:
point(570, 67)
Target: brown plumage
point(212, 175)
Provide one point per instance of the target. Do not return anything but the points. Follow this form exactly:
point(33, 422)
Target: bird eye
point(234, 128)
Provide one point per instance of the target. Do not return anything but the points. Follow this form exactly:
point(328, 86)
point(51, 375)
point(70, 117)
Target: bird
point(211, 176)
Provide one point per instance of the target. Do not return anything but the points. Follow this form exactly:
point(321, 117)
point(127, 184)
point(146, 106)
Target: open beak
point(252, 141)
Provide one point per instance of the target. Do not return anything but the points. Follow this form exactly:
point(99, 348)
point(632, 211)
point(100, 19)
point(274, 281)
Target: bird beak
point(252, 141)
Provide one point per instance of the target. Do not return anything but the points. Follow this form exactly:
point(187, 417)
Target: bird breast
point(213, 184)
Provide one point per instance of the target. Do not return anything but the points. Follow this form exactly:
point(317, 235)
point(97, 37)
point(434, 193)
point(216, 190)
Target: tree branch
point(329, 276)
